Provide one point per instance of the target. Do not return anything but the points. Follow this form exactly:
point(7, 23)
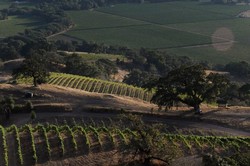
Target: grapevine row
point(4, 145)
point(29, 129)
point(42, 129)
point(187, 141)
point(99, 86)
point(18, 143)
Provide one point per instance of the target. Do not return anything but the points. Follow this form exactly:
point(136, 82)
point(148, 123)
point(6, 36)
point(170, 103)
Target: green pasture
point(133, 21)
point(4, 4)
point(116, 30)
point(175, 12)
point(238, 26)
point(172, 26)
point(91, 20)
point(16, 24)
point(94, 57)
point(150, 36)
point(236, 53)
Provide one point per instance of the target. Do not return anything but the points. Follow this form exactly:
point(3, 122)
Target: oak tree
point(35, 66)
point(189, 85)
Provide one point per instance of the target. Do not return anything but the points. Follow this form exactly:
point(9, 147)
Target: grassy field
point(175, 12)
point(136, 36)
point(169, 26)
point(5, 4)
point(238, 26)
point(90, 20)
point(16, 24)
point(210, 54)
point(237, 52)
point(93, 57)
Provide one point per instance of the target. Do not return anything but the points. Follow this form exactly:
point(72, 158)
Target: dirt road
point(54, 101)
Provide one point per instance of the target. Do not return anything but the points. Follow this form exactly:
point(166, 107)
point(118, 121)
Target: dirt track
point(66, 102)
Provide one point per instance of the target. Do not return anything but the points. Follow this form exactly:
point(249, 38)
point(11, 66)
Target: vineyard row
point(99, 86)
point(65, 140)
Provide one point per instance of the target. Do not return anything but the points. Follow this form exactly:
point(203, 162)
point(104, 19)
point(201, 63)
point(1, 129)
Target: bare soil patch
point(52, 102)
point(120, 75)
point(72, 99)
point(244, 14)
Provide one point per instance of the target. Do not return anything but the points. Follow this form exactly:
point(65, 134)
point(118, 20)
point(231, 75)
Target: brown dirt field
point(25, 140)
point(55, 101)
point(244, 14)
point(40, 147)
point(72, 99)
point(12, 153)
point(81, 144)
point(120, 75)
point(93, 159)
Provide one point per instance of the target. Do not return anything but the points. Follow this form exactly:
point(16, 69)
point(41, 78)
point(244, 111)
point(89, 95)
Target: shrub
point(216, 160)
point(33, 115)
point(29, 106)
point(242, 159)
point(11, 102)
point(18, 109)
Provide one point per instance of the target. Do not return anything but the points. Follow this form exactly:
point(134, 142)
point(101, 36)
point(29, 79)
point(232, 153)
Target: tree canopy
point(189, 85)
point(35, 66)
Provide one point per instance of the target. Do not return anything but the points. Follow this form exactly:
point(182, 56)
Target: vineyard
point(29, 145)
point(95, 85)
point(99, 86)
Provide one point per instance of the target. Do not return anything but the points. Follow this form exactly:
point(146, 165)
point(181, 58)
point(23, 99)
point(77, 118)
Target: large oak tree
point(36, 66)
point(189, 85)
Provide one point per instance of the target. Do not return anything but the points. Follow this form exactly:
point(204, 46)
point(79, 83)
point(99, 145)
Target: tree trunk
point(147, 161)
point(197, 109)
point(35, 81)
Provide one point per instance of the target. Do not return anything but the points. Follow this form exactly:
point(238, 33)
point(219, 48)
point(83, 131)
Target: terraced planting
point(29, 145)
point(95, 85)
point(99, 86)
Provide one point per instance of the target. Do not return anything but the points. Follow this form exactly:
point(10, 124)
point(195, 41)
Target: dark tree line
point(144, 65)
point(3, 15)
point(239, 69)
point(81, 4)
point(101, 68)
